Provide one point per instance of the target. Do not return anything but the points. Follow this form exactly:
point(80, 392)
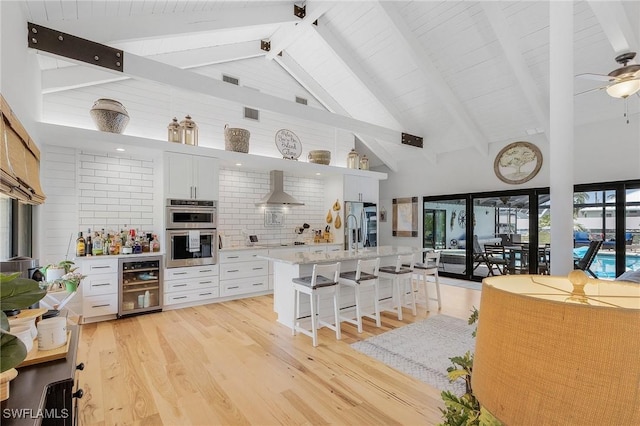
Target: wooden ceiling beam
point(116, 29)
point(515, 59)
point(615, 23)
point(349, 60)
point(312, 86)
point(73, 77)
point(432, 77)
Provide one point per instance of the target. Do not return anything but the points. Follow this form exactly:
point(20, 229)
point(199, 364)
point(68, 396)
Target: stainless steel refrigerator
point(363, 225)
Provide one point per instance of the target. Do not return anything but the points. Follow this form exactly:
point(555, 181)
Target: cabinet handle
point(101, 267)
point(100, 285)
point(255, 284)
point(179, 297)
point(232, 257)
point(180, 285)
point(101, 306)
point(206, 270)
point(195, 192)
point(180, 273)
point(232, 270)
point(80, 366)
point(205, 282)
point(233, 287)
point(78, 394)
point(204, 294)
point(257, 269)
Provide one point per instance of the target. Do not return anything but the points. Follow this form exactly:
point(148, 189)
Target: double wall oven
point(191, 233)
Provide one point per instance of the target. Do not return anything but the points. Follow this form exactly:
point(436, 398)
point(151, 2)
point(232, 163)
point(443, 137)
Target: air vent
point(251, 114)
point(300, 100)
point(229, 79)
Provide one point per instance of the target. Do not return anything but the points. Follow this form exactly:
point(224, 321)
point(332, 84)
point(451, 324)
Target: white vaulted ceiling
point(461, 74)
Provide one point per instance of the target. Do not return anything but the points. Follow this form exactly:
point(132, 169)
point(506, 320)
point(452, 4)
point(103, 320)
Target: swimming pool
point(604, 265)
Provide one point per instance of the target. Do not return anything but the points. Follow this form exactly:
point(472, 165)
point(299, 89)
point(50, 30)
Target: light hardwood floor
point(231, 363)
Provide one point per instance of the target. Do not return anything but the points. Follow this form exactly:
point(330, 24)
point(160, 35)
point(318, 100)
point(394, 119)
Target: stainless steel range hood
point(277, 196)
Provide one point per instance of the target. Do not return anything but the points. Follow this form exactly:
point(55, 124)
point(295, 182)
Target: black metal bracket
point(412, 140)
point(265, 45)
point(69, 46)
point(300, 11)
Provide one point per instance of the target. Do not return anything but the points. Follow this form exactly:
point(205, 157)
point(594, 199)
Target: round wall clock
point(518, 162)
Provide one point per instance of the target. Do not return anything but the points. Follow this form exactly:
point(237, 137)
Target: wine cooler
point(140, 285)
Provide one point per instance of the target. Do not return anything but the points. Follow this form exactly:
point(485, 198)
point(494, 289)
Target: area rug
point(422, 349)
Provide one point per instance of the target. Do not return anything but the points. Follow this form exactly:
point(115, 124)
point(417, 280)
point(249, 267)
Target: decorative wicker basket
point(320, 157)
point(236, 139)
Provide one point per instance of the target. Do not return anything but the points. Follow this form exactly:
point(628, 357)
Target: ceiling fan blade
point(590, 90)
point(598, 77)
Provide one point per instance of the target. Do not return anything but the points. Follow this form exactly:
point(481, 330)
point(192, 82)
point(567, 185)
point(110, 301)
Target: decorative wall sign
point(288, 144)
point(405, 217)
point(383, 214)
point(518, 162)
point(273, 218)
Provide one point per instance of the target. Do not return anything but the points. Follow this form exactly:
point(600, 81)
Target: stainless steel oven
point(191, 234)
point(191, 214)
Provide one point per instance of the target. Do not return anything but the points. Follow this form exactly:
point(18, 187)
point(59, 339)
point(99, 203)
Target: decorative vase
point(70, 286)
point(353, 159)
point(109, 115)
point(236, 139)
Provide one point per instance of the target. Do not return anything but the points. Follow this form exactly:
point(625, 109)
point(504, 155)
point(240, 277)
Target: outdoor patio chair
point(585, 262)
point(496, 258)
point(479, 256)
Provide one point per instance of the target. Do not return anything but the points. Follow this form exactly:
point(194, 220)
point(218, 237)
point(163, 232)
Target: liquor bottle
point(80, 245)
point(89, 245)
point(97, 244)
point(155, 244)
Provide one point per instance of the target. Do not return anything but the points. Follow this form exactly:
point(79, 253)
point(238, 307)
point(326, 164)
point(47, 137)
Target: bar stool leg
point(399, 299)
point(426, 291)
point(376, 303)
point(336, 308)
point(413, 295)
point(314, 320)
point(438, 292)
point(296, 310)
point(358, 309)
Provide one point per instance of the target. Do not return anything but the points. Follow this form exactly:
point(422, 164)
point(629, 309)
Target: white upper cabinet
point(190, 177)
point(361, 188)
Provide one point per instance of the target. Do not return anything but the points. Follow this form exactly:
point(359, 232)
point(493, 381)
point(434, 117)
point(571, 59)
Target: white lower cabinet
point(190, 284)
point(99, 289)
point(242, 272)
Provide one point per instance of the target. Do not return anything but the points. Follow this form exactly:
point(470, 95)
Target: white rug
point(423, 349)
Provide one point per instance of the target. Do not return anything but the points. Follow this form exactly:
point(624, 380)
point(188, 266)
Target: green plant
point(464, 410)
point(15, 293)
point(64, 264)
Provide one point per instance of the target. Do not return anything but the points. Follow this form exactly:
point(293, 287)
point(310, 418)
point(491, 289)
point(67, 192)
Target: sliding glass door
point(445, 229)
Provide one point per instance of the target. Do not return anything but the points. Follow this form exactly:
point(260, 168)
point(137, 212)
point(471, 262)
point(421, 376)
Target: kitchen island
point(287, 266)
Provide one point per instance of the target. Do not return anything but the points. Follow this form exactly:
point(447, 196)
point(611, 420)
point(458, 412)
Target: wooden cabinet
point(192, 285)
point(99, 289)
point(361, 188)
point(242, 272)
point(190, 177)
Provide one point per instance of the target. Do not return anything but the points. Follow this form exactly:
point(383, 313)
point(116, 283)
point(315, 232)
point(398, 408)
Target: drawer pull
point(78, 394)
point(205, 282)
point(101, 306)
point(258, 269)
point(180, 285)
point(233, 287)
point(100, 285)
point(179, 273)
point(232, 257)
point(256, 284)
point(101, 267)
point(206, 270)
point(232, 270)
point(179, 297)
point(204, 294)
point(80, 366)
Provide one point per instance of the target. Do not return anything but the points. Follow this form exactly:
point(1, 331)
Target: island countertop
point(306, 258)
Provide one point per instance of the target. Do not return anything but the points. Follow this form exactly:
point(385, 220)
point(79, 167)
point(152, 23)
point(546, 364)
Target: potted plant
point(53, 271)
point(15, 293)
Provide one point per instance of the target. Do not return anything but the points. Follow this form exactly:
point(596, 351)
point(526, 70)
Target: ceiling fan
point(625, 81)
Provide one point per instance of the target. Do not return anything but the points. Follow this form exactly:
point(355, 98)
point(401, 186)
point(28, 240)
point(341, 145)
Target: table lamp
point(558, 351)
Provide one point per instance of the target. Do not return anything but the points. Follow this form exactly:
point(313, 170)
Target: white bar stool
point(323, 280)
point(426, 269)
point(365, 275)
point(399, 275)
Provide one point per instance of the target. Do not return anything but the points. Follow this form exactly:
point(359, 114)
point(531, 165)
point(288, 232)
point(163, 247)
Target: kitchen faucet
point(355, 243)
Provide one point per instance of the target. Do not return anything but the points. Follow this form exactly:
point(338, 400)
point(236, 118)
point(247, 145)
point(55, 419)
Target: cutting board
point(36, 356)
point(29, 313)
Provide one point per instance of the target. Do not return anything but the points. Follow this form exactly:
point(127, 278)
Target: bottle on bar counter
point(80, 245)
point(97, 244)
point(89, 245)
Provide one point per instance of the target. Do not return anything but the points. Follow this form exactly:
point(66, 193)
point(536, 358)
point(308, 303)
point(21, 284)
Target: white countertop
point(117, 256)
point(279, 246)
point(302, 258)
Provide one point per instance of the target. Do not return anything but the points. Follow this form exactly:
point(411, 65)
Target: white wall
point(605, 151)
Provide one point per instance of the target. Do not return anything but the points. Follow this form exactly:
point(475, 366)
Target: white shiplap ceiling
point(462, 74)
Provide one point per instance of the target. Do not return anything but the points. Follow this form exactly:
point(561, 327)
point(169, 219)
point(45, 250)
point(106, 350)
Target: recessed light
point(317, 173)
point(238, 164)
point(120, 149)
